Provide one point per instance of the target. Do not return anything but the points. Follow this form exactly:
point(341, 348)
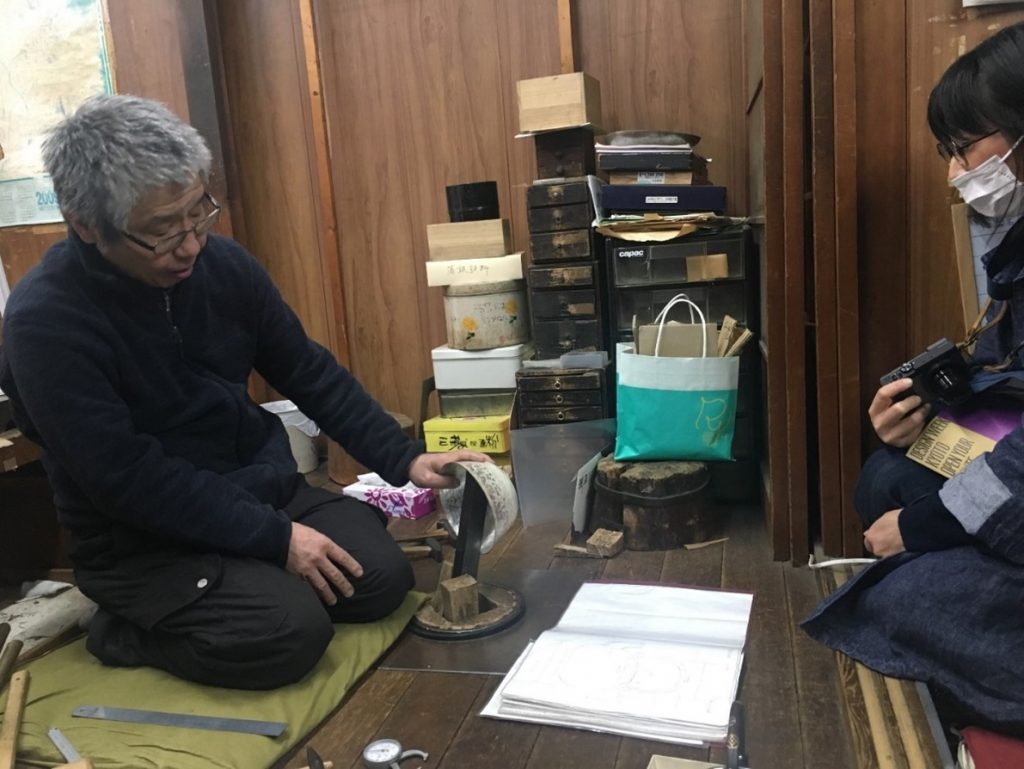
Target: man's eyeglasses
point(208, 217)
point(959, 151)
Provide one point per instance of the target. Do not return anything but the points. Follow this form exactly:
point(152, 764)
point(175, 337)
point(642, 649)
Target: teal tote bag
point(675, 408)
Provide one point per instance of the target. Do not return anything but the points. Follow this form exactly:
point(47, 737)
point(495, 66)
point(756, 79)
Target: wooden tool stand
point(462, 607)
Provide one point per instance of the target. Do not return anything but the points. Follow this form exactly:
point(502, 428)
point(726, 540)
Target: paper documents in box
point(647, 661)
point(408, 501)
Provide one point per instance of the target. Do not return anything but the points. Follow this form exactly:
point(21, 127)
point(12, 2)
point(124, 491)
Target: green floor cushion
point(70, 677)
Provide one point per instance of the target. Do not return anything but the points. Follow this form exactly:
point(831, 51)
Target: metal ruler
point(186, 720)
point(63, 744)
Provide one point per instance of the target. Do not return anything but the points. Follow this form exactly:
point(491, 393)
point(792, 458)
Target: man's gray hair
point(114, 149)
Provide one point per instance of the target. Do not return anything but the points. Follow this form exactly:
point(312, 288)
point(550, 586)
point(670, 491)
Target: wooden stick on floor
point(12, 719)
point(8, 659)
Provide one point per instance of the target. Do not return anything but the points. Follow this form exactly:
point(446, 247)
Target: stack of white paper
point(654, 662)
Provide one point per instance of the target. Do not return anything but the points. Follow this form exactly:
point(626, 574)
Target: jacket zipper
point(170, 319)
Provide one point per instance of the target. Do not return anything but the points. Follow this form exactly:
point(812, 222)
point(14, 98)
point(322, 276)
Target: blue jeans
point(889, 481)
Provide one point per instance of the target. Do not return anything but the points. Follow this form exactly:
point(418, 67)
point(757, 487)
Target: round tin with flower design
point(482, 316)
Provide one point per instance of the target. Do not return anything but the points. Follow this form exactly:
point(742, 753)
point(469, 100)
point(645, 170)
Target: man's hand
point(317, 558)
point(883, 537)
point(897, 423)
point(425, 470)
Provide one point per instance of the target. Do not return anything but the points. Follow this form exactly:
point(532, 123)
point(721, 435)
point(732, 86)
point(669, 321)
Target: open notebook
point(646, 661)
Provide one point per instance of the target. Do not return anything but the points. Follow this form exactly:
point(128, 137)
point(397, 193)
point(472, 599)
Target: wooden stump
point(607, 510)
point(460, 600)
point(660, 505)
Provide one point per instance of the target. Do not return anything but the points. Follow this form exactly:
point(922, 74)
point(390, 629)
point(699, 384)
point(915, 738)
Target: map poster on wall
point(53, 55)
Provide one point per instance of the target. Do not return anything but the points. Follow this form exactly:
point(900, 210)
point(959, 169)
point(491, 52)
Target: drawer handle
point(561, 416)
point(559, 399)
point(557, 384)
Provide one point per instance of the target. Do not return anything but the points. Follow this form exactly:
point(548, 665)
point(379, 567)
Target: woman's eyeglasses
point(959, 150)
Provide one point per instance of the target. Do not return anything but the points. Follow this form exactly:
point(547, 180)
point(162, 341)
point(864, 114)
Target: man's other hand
point(319, 561)
point(425, 470)
point(883, 537)
point(897, 422)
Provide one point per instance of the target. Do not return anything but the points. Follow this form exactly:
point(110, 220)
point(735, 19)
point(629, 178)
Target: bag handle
point(662, 316)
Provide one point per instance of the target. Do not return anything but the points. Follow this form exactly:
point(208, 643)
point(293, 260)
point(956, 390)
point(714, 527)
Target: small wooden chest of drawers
point(547, 395)
point(567, 278)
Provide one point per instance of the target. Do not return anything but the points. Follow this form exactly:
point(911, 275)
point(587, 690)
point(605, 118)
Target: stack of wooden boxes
point(487, 330)
point(567, 276)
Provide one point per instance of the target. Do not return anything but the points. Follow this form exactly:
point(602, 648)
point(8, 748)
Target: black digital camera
point(941, 375)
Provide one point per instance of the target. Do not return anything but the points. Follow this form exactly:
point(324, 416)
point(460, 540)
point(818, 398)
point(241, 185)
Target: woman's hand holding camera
point(897, 421)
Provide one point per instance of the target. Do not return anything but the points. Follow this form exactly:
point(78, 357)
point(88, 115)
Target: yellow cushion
point(70, 677)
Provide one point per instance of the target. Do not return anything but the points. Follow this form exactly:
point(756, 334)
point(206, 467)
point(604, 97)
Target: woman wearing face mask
point(943, 604)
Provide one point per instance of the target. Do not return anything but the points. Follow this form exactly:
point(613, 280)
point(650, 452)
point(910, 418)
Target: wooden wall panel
point(147, 41)
point(773, 295)
point(823, 258)
point(673, 64)
point(794, 310)
point(265, 88)
point(528, 47)
point(847, 150)
point(414, 98)
point(939, 31)
point(22, 247)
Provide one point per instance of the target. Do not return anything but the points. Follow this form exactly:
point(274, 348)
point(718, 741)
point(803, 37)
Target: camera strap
point(977, 329)
point(979, 326)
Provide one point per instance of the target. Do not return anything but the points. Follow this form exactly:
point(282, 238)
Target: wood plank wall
point(420, 95)
point(264, 83)
point(907, 270)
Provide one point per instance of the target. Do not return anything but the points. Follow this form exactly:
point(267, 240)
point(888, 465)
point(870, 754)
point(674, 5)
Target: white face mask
point(991, 188)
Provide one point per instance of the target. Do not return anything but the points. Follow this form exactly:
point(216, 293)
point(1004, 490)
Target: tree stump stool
point(657, 505)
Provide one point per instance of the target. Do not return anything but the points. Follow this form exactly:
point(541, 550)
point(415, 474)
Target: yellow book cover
point(947, 448)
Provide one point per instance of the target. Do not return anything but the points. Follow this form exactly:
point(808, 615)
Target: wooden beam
point(794, 152)
point(823, 187)
point(565, 38)
point(847, 266)
point(329, 257)
point(773, 343)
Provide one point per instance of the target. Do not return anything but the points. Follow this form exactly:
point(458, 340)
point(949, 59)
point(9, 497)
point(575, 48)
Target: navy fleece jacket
point(138, 397)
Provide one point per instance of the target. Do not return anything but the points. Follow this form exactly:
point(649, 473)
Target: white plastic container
point(487, 369)
point(302, 432)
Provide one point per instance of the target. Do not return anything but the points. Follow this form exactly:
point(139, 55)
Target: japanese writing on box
point(480, 441)
point(468, 268)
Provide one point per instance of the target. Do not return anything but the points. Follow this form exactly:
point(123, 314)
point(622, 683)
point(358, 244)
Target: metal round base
point(499, 608)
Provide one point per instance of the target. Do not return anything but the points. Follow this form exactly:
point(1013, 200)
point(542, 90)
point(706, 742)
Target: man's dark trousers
point(251, 624)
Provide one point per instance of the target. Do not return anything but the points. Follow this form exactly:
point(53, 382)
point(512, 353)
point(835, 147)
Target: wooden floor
point(795, 719)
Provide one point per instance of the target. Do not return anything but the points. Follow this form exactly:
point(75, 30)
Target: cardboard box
point(709, 267)
point(489, 435)
point(463, 272)
point(468, 240)
point(406, 501)
point(678, 340)
point(558, 102)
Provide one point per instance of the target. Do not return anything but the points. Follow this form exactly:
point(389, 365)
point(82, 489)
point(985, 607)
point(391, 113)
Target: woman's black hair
point(982, 91)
